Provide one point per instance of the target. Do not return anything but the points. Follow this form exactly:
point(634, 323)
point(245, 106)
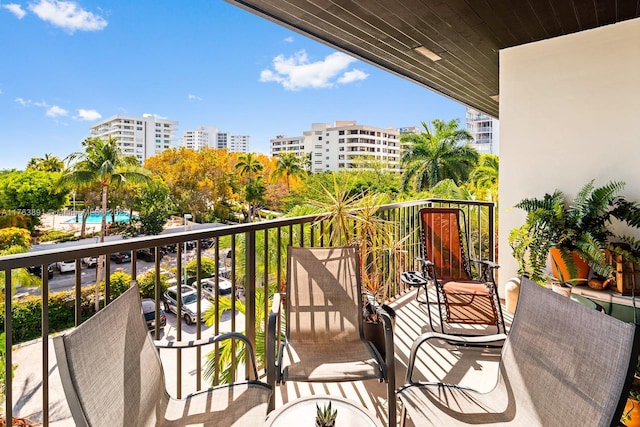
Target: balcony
point(256, 259)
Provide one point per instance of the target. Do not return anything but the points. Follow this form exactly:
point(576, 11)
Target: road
point(66, 281)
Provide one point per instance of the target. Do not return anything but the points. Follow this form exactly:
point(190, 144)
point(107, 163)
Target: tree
point(48, 163)
point(31, 193)
point(247, 165)
point(153, 205)
point(102, 162)
point(437, 154)
point(254, 195)
point(485, 176)
point(289, 165)
point(199, 181)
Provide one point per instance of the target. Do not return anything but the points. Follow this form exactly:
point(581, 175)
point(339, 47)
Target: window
point(340, 132)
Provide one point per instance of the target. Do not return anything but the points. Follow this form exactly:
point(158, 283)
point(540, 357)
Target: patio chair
point(323, 324)
point(562, 364)
point(112, 376)
point(461, 296)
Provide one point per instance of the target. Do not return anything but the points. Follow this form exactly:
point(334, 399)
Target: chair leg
point(391, 396)
point(403, 416)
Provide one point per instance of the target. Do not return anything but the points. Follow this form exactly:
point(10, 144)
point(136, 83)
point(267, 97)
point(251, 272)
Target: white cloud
point(23, 102)
point(194, 97)
point(289, 39)
point(352, 76)
point(67, 15)
point(56, 111)
point(16, 9)
point(88, 114)
point(297, 72)
point(40, 104)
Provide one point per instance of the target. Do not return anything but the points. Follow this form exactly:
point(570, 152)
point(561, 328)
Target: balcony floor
point(441, 362)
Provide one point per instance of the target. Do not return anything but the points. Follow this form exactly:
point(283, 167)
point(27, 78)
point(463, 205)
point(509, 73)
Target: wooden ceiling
point(467, 35)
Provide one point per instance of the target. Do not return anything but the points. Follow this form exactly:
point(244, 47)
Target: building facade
point(345, 145)
point(484, 130)
point(210, 136)
point(141, 137)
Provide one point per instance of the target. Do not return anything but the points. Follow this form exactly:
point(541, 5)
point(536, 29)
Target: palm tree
point(49, 163)
point(248, 165)
point(103, 163)
point(437, 154)
point(289, 165)
point(485, 175)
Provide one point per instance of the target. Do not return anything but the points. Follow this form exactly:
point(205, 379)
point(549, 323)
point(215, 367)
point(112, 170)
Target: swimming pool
point(96, 217)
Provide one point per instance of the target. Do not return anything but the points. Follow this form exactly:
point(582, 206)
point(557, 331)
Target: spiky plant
point(326, 416)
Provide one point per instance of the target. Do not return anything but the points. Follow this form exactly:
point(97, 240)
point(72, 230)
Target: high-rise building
point(484, 130)
point(204, 136)
point(345, 145)
point(210, 136)
point(141, 137)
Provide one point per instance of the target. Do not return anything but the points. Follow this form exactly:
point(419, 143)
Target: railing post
point(8, 359)
point(250, 287)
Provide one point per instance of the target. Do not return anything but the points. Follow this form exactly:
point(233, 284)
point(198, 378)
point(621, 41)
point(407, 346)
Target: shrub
point(147, 284)
point(119, 282)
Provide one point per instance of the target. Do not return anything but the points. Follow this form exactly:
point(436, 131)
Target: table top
point(302, 413)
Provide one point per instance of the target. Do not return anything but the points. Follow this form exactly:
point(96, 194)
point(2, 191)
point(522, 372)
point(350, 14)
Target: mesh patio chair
point(323, 324)
point(112, 376)
point(461, 298)
point(562, 364)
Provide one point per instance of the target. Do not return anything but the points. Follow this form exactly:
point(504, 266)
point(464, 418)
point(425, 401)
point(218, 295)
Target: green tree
point(437, 154)
point(254, 195)
point(102, 162)
point(248, 165)
point(485, 176)
point(153, 204)
point(31, 193)
point(14, 236)
point(289, 165)
point(48, 163)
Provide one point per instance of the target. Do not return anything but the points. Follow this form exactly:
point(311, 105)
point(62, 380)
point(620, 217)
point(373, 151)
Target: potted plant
point(631, 413)
point(325, 416)
point(573, 232)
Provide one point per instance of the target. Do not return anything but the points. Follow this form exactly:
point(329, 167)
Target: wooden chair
point(462, 297)
point(562, 364)
point(323, 324)
point(112, 376)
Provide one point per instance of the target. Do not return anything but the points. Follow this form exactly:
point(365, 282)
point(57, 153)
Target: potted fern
point(575, 232)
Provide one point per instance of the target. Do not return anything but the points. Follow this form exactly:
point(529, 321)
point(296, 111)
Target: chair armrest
point(413, 278)
point(475, 340)
point(213, 340)
point(487, 264)
point(425, 261)
point(273, 366)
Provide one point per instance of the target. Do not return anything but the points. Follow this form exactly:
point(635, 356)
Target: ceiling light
point(427, 53)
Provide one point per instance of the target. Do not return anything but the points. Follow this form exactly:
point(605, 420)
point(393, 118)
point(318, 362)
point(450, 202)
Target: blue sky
point(65, 65)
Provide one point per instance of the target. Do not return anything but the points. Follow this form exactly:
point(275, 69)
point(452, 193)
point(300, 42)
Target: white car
point(225, 287)
point(90, 261)
point(64, 266)
point(189, 306)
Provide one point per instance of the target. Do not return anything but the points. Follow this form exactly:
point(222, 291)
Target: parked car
point(64, 266)
point(225, 287)
point(145, 255)
point(90, 261)
point(37, 270)
point(120, 257)
point(149, 311)
point(189, 303)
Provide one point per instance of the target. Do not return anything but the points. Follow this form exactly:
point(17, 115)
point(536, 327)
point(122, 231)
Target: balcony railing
point(256, 264)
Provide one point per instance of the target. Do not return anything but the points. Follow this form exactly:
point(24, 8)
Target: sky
point(67, 65)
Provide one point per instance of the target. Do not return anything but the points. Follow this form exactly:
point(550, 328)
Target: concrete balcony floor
point(474, 367)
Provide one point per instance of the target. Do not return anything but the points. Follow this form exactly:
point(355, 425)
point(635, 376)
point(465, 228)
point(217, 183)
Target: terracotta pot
point(631, 413)
point(581, 265)
point(511, 293)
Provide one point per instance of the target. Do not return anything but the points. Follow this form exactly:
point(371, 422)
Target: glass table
point(302, 413)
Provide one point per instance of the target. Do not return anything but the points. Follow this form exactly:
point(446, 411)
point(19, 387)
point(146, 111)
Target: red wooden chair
point(465, 293)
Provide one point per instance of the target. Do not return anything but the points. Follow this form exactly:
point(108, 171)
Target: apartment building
point(210, 136)
point(345, 145)
point(484, 130)
point(141, 137)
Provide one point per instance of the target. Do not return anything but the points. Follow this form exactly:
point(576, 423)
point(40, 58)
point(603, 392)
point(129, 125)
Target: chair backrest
point(110, 370)
point(324, 300)
point(443, 243)
point(565, 361)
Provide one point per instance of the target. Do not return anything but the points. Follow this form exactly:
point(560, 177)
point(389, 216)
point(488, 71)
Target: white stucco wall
point(569, 113)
